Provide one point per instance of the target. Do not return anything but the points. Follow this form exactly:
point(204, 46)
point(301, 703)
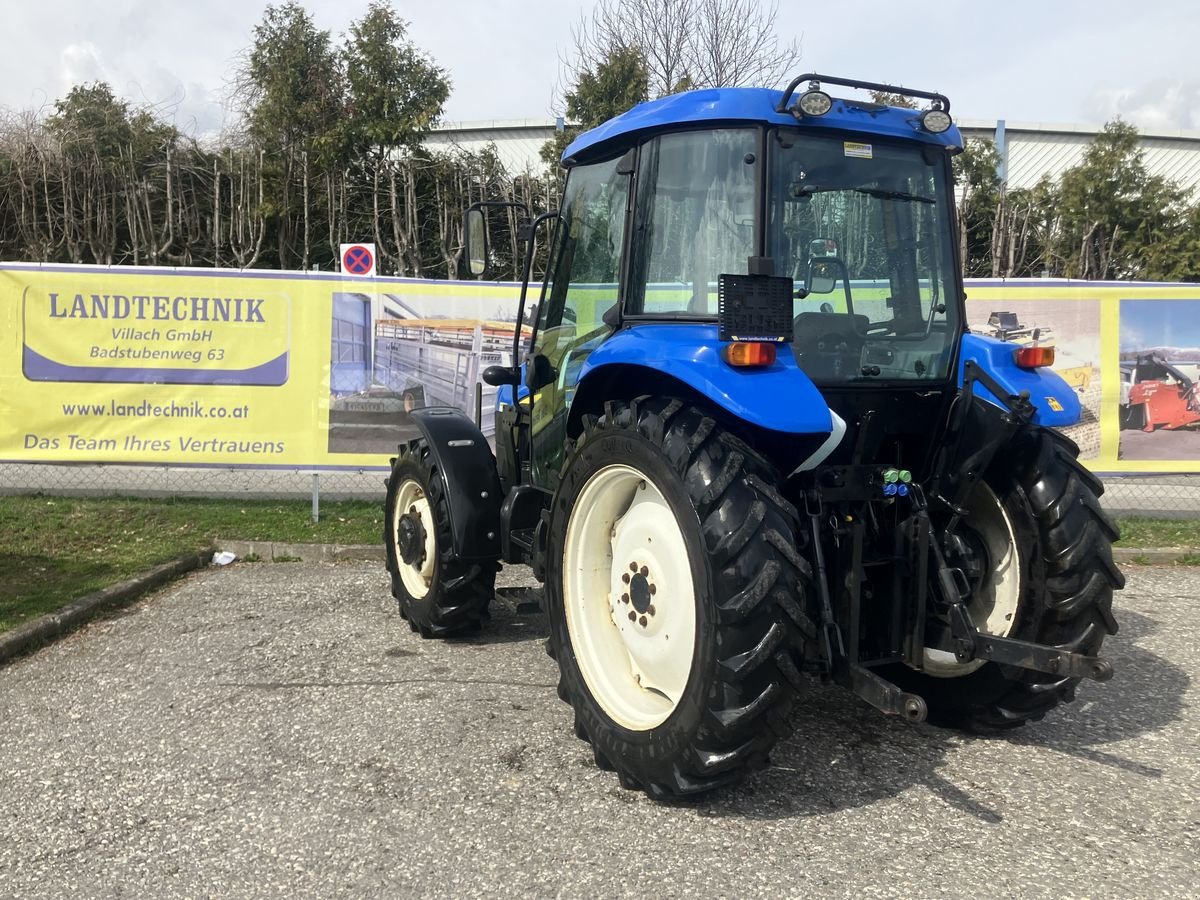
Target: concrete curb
point(43, 629)
point(1151, 556)
point(284, 552)
point(269, 550)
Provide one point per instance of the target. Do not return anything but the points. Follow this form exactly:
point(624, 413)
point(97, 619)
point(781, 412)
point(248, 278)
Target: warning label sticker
point(857, 150)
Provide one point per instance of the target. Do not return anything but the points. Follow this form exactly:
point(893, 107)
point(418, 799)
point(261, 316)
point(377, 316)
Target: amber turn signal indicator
point(1034, 357)
point(748, 353)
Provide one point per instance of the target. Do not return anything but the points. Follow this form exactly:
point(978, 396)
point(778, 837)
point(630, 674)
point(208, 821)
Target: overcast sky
point(1060, 61)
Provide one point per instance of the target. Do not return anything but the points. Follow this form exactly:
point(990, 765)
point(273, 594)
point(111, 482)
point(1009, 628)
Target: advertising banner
point(189, 367)
point(193, 367)
point(1132, 352)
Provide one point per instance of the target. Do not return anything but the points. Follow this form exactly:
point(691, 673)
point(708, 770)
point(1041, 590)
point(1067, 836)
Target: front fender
point(1046, 388)
point(779, 397)
point(470, 482)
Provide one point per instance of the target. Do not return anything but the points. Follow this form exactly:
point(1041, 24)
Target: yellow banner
point(208, 367)
point(1131, 351)
point(195, 367)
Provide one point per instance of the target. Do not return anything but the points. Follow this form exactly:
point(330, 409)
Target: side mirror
point(475, 241)
point(497, 376)
point(822, 247)
point(822, 277)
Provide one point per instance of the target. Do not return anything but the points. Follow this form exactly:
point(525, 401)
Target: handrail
point(863, 85)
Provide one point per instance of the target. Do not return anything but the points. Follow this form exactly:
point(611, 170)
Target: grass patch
point(1189, 559)
point(55, 549)
point(1137, 532)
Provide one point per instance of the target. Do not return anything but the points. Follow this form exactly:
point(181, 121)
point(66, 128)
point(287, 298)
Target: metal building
point(1028, 150)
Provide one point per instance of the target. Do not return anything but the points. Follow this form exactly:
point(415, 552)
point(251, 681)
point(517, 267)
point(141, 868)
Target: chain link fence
point(1166, 496)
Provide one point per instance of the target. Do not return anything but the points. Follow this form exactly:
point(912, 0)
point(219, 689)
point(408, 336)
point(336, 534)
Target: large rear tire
point(676, 598)
point(438, 595)
point(1054, 586)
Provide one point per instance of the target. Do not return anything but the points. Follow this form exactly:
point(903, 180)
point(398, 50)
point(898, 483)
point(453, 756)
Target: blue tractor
point(752, 440)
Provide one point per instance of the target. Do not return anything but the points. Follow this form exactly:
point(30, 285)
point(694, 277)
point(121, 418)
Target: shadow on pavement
point(844, 754)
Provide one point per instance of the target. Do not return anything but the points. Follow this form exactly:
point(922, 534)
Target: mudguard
point(779, 397)
point(470, 482)
point(1056, 402)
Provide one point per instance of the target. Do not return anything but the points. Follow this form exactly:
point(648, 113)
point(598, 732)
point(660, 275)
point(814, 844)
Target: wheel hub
point(639, 592)
point(985, 548)
point(410, 538)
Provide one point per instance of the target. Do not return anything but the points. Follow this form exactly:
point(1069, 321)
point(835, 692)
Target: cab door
point(582, 284)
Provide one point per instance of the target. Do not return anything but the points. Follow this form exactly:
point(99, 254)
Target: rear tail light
point(1034, 357)
point(748, 354)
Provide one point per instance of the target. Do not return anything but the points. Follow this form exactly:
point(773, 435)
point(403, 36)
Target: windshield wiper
point(893, 195)
point(805, 191)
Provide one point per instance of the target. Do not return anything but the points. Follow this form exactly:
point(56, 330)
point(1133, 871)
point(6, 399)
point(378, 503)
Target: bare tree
point(688, 43)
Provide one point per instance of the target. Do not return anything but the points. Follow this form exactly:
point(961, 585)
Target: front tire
point(439, 595)
point(676, 598)
point(1061, 569)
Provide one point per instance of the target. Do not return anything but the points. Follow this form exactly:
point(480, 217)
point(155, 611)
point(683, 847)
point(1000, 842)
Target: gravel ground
point(276, 730)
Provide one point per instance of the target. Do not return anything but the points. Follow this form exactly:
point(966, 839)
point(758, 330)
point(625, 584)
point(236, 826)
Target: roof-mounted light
point(813, 102)
point(936, 120)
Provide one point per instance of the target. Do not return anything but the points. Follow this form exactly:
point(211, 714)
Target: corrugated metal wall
point(1034, 150)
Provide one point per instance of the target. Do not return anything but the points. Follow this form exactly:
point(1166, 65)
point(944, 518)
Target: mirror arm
point(526, 271)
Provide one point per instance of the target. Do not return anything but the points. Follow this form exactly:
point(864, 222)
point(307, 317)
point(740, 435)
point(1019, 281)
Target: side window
point(581, 286)
point(695, 219)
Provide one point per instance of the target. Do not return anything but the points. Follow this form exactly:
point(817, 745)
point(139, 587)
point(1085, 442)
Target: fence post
point(316, 497)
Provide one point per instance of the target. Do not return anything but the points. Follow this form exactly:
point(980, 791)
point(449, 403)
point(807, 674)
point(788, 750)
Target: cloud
point(80, 63)
point(193, 108)
point(1162, 104)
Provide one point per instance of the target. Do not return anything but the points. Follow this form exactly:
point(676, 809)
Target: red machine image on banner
point(1160, 379)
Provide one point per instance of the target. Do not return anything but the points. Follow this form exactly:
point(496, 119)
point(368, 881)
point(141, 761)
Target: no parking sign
point(358, 260)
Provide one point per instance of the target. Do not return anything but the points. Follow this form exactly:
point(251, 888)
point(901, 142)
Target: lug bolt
point(645, 571)
point(633, 567)
point(650, 609)
point(412, 509)
point(653, 589)
point(625, 578)
point(624, 598)
point(632, 616)
point(642, 621)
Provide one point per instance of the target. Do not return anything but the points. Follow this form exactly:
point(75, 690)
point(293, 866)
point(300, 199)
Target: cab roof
point(749, 106)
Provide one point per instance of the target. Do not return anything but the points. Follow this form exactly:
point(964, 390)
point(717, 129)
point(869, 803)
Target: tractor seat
point(829, 345)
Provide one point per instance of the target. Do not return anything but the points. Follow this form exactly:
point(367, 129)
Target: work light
point(935, 120)
point(815, 102)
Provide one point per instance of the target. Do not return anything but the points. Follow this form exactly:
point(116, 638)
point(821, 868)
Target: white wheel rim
point(415, 576)
point(992, 608)
point(622, 527)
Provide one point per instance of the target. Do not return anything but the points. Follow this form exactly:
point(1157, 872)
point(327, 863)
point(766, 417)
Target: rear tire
point(1067, 577)
point(439, 596)
point(684, 718)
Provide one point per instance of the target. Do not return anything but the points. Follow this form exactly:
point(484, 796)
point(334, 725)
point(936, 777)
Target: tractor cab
point(751, 437)
point(770, 194)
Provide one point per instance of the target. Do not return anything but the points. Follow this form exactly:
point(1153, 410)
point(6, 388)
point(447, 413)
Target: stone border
point(280, 551)
point(32, 634)
point(1151, 556)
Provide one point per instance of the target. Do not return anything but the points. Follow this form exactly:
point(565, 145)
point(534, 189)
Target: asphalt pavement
point(269, 730)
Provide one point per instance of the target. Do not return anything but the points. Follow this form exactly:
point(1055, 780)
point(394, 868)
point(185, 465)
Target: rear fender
point(470, 482)
point(779, 397)
point(1056, 403)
